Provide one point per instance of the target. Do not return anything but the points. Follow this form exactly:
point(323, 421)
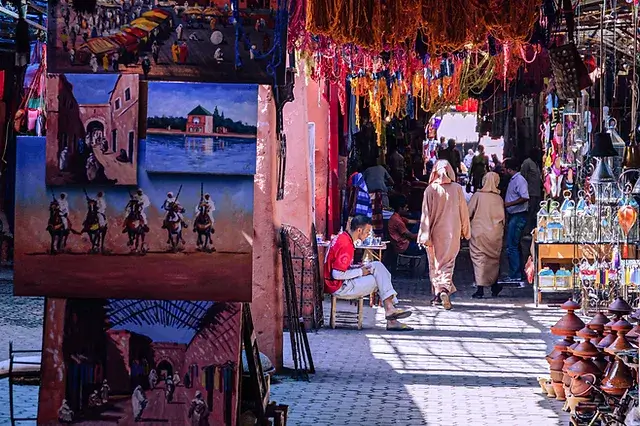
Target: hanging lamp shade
point(602, 173)
point(636, 191)
point(603, 146)
point(616, 139)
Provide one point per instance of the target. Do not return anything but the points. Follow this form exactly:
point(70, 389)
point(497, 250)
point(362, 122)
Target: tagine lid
point(622, 326)
point(562, 345)
point(567, 325)
point(606, 341)
point(598, 322)
point(583, 367)
point(570, 305)
point(586, 349)
point(620, 306)
point(635, 315)
point(587, 333)
point(620, 344)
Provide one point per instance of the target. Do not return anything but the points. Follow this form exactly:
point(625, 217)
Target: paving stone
point(476, 364)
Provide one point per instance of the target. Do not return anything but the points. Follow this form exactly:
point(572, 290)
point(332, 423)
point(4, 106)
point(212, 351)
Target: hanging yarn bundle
point(443, 26)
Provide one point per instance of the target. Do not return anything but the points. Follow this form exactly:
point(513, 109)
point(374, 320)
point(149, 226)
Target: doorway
point(131, 145)
point(114, 140)
point(164, 369)
point(95, 132)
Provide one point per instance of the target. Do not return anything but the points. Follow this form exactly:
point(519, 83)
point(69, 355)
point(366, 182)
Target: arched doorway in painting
point(95, 132)
point(164, 370)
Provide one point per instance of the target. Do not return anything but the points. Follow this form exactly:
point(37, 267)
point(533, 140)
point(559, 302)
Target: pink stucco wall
point(318, 113)
point(297, 207)
point(267, 307)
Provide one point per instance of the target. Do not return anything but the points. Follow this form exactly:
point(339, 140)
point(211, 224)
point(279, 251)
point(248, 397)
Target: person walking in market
point(445, 220)
point(155, 51)
point(479, 168)
point(530, 170)
point(486, 213)
point(516, 203)
point(146, 66)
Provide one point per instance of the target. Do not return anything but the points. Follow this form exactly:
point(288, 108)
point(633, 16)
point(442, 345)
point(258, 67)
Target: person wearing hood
point(445, 220)
point(486, 212)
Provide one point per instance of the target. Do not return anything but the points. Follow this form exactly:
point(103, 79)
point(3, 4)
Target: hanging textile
point(228, 393)
point(376, 216)
point(358, 201)
point(216, 379)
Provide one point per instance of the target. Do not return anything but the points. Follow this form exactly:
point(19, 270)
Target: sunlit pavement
point(474, 365)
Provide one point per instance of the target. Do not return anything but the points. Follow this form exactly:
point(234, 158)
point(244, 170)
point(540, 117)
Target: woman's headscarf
point(490, 183)
point(442, 173)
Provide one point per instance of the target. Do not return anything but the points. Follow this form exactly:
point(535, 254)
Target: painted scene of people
point(92, 136)
point(172, 236)
point(123, 361)
point(194, 40)
point(201, 128)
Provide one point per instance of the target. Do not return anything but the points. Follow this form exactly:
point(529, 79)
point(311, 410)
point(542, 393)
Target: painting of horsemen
point(171, 235)
point(129, 362)
point(93, 129)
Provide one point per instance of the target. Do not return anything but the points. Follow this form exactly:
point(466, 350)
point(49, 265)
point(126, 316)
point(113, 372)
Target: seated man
point(344, 280)
point(404, 240)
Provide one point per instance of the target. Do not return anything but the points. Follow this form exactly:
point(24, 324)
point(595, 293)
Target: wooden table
point(373, 252)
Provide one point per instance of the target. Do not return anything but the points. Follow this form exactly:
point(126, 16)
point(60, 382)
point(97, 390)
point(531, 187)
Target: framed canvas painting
point(170, 40)
point(173, 236)
point(108, 361)
point(201, 128)
point(93, 129)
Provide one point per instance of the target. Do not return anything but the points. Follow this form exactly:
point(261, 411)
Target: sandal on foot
point(399, 314)
point(477, 295)
point(496, 289)
point(399, 327)
point(446, 302)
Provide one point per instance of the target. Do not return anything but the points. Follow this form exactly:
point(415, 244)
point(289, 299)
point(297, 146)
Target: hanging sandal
point(399, 314)
point(399, 327)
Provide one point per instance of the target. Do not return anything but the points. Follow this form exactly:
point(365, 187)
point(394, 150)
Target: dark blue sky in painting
point(161, 332)
point(92, 88)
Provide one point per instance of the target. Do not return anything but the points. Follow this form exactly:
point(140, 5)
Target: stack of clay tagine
point(567, 327)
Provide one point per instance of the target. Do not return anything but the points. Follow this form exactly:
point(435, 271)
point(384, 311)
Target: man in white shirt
point(516, 202)
point(63, 204)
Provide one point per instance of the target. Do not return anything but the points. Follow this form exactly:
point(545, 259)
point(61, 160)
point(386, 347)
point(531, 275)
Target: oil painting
point(201, 128)
point(173, 236)
point(195, 40)
point(123, 361)
point(93, 129)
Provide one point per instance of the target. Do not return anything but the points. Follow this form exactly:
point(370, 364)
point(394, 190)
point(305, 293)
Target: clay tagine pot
point(570, 322)
point(609, 336)
point(597, 324)
point(634, 334)
point(621, 327)
point(619, 378)
point(568, 363)
point(620, 307)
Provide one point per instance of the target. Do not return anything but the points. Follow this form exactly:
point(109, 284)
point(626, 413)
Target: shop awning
point(194, 11)
point(136, 32)
point(156, 13)
point(101, 45)
point(128, 41)
point(144, 24)
point(212, 11)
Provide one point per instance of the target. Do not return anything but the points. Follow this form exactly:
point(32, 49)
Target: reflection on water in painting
point(188, 154)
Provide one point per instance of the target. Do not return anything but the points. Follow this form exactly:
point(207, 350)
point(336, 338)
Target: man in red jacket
point(344, 280)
